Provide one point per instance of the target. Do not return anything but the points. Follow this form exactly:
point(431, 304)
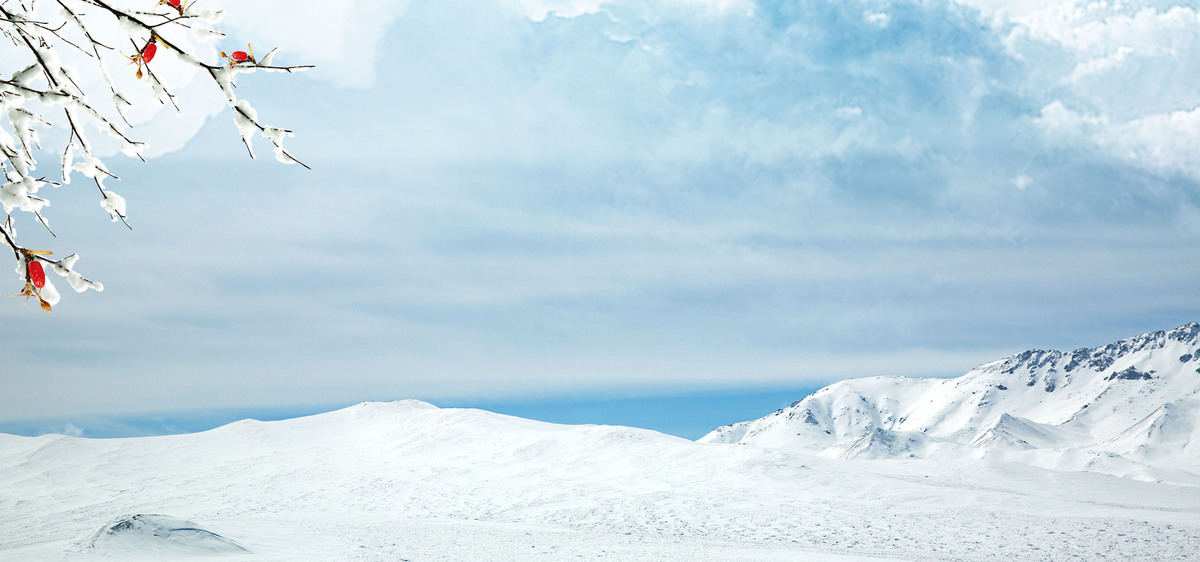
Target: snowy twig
point(43, 78)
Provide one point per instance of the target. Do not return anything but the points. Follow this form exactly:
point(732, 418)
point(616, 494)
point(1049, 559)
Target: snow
point(19, 194)
point(49, 293)
point(65, 268)
point(1126, 409)
point(160, 536)
point(82, 38)
point(113, 204)
point(408, 481)
point(1041, 456)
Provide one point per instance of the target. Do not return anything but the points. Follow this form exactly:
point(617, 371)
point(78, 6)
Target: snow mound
point(158, 536)
point(1171, 431)
point(1017, 433)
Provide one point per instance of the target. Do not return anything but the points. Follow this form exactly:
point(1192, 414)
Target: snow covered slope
point(1129, 408)
point(407, 481)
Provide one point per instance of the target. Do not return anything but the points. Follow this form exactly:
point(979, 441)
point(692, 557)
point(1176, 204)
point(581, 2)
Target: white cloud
point(878, 19)
point(1101, 65)
point(71, 430)
point(1130, 73)
point(1022, 182)
point(539, 10)
point(849, 112)
point(1162, 143)
point(1166, 143)
point(343, 39)
point(743, 7)
point(714, 198)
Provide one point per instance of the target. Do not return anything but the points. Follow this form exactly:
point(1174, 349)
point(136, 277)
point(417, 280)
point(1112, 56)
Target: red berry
point(240, 56)
point(173, 3)
point(148, 52)
point(37, 275)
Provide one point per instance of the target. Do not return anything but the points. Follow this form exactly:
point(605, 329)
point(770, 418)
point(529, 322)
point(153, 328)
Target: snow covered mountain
point(408, 481)
point(1130, 408)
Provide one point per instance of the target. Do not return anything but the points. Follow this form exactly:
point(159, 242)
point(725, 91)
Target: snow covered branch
point(40, 90)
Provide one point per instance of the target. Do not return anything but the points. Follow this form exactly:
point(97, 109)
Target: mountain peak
point(1187, 333)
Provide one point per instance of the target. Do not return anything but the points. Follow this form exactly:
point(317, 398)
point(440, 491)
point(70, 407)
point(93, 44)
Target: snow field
point(406, 481)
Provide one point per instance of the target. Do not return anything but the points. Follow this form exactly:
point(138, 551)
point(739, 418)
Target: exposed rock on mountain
point(1128, 408)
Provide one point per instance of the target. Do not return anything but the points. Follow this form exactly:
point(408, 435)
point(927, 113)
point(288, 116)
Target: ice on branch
point(43, 86)
point(93, 168)
point(49, 294)
point(212, 17)
point(65, 268)
point(19, 194)
point(246, 119)
point(31, 268)
point(114, 204)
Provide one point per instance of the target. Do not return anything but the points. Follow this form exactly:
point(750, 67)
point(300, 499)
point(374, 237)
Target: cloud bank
point(553, 197)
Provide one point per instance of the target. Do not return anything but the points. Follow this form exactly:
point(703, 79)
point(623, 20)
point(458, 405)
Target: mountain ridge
point(1132, 398)
point(408, 481)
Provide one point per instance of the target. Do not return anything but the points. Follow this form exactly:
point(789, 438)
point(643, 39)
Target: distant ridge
point(1129, 408)
point(408, 481)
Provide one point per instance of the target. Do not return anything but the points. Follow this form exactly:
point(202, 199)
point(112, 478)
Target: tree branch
point(38, 41)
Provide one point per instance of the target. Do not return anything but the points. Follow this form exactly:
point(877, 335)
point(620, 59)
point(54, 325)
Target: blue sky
point(556, 203)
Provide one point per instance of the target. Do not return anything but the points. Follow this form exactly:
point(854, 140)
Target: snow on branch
point(38, 90)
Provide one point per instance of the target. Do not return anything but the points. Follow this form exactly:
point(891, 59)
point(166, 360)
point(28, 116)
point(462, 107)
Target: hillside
point(407, 481)
point(1128, 408)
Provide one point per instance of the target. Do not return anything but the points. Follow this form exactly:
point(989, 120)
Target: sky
point(542, 206)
